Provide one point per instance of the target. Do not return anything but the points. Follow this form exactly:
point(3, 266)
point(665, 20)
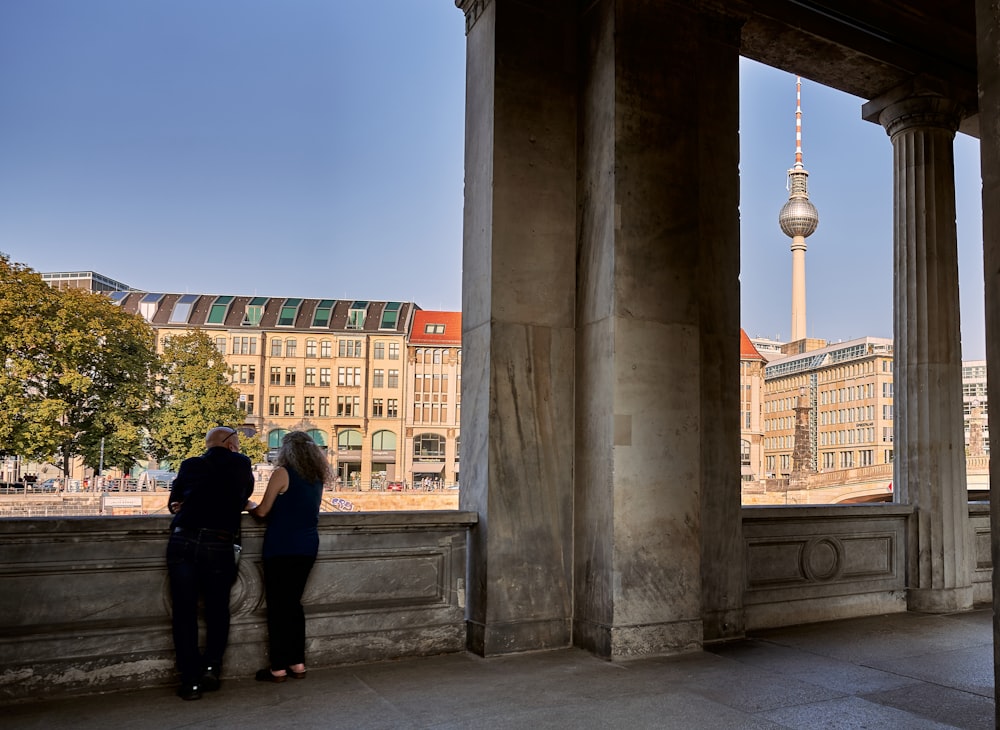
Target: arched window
point(274, 438)
point(349, 440)
point(428, 446)
point(384, 441)
point(318, 437)
point(744, 452)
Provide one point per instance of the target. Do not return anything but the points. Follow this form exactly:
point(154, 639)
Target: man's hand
point(174, 507)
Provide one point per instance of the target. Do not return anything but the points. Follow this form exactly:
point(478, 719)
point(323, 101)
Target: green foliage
point(197, 397)
point(75, 369)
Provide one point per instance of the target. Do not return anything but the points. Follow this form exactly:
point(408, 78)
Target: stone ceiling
point(868, 47)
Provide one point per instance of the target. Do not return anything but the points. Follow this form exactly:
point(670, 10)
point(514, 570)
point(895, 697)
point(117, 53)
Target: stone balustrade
point(85, 605)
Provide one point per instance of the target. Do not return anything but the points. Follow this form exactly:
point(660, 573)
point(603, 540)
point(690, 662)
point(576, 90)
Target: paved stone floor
point(907, 671)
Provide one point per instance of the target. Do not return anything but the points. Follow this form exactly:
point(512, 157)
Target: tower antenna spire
point(798, 219)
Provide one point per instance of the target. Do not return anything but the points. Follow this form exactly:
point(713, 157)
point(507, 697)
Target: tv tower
point(798, 219)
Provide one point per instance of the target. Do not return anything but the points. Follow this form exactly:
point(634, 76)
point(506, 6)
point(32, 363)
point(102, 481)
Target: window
point(346, 405)
point(392, 408)
point(887, 434)
point(274, 438)
point(272, 405)
point(289, 311)
point(310, 379)
point(252, 375)
point(866, 457)
point(384, 441)
point(379, 353)
point(244, 374)
point(428, 446)
point(887, 413)
point(220, 344)
point(325, 349)
point(322, 316)
point(744, 452)
point(276, 347)
point(350, 348)
point(318, 437)
point(290, 347)
point(289, 376)
point(324, 405)
point(378, 408)
point(846, 459)
point(218, 311)
point(349, 377)
point(433, 329)
point(244, 345)
point(829, 460)
point(393, 378)
point(275, 375)
point(887, 390)
point(182, 309)
point(309, 406)
point(310, 348)
point(390, 315)
point(393, 350)
point(324, 377)
point(356, 315)
point(289, 405)
point(349, 440)
point(378, 378)
point(245, 403)
point(254, 312)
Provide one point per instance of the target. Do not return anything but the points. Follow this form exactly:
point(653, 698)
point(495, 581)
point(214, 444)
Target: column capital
point(472, 9)
point(921, 101)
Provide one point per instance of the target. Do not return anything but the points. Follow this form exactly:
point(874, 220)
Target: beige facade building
point(336, 369)
point(848, 388)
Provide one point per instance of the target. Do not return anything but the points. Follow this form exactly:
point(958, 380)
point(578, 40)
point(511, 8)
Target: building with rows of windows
point(340, 370)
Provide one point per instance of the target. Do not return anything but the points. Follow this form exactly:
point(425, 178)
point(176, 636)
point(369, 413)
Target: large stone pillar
point(518, 300)
point(658, 331)
point(921, 121)
point(988, 48)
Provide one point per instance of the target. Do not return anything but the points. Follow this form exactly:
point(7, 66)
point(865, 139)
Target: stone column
point(518, 299)
point(658, 332)
point(921, 120)
point(988, 48)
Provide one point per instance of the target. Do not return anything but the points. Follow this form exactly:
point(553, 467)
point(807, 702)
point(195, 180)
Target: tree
point(197, 397)
point(77, 370)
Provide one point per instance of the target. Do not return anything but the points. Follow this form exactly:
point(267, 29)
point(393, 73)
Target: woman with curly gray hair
point(291, 506)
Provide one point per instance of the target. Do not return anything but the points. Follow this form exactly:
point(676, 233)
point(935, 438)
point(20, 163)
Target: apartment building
point(333, 368)
point(752, 364)
point(433, 395)
point(848, 389)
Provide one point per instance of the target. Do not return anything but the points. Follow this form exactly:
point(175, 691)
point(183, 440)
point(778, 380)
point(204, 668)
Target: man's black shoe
point(211, 679)
point(189, 691)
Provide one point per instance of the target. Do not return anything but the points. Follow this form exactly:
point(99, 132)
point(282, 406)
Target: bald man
point(206, 499)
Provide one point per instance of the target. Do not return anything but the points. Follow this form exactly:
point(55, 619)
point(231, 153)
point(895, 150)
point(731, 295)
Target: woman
point(291, 506)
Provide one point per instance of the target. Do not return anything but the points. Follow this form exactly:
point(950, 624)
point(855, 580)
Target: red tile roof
point(424, 319)
point(747, 350)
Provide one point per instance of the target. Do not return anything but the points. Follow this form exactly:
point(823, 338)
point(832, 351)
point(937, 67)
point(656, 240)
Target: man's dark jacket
point(214, 488)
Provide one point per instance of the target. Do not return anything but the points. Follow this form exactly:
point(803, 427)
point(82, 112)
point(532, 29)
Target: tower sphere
point(798, 217)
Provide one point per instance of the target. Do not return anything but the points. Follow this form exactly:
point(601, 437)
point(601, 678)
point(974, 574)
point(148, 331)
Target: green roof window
point(356, 315)
point(254, 311)
point(390, 315)
point(219, 309)
point(289, 311)
point(182, 309)
point(323, 311)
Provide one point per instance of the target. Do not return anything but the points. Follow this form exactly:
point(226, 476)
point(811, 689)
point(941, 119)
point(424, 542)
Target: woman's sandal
point(265, 675)
point(296, 675)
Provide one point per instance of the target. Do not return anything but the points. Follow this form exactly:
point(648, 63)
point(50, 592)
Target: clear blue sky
point(315, 148)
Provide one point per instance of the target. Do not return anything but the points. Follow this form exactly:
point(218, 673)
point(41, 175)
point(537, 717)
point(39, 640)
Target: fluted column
point(930, 456)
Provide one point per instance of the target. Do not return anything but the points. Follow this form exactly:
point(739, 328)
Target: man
point(207, 497)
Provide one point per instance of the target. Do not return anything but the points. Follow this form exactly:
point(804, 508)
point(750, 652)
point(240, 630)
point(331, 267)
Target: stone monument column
point(658, 551)
point(518, 301)
point(921, 121)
